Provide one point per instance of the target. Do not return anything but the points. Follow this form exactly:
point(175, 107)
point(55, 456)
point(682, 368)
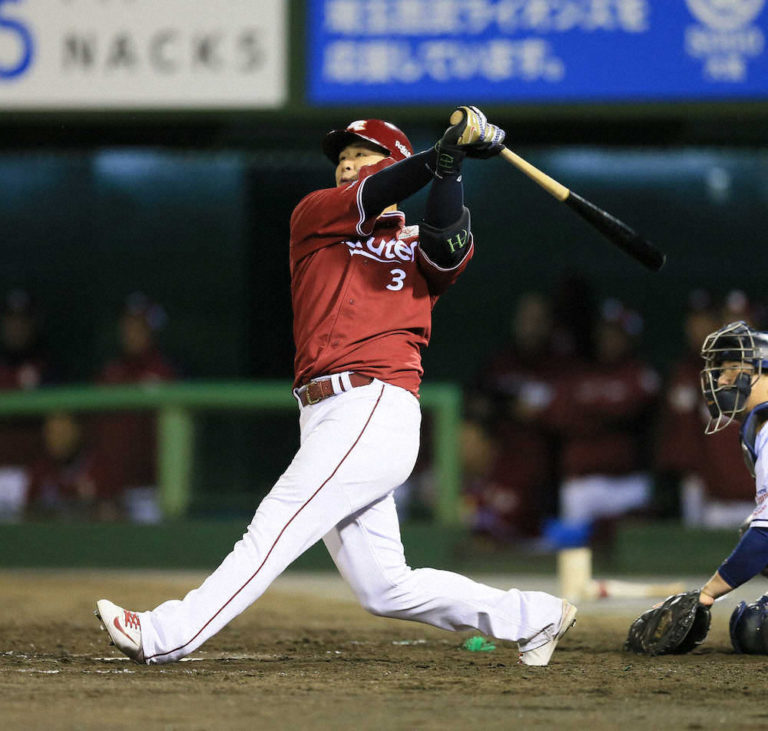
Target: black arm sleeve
point(397, 182)
point(446, 247)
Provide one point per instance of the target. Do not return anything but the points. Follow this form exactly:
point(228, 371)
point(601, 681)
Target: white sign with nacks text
point(156, 54)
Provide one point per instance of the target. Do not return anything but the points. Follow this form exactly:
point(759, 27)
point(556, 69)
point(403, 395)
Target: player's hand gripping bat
point(616, 231)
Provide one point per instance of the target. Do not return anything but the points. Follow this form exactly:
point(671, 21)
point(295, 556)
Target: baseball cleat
point(123, 628)
point(541, 655)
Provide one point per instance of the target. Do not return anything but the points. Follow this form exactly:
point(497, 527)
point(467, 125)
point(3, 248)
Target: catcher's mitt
point(675, 626)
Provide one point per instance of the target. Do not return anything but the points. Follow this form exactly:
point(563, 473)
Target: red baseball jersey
point(362, 289)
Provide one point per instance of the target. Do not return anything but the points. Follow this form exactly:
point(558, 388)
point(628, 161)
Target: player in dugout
point(363, 286)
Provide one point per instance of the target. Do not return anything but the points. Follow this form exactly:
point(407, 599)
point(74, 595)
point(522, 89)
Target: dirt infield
point(307, 657)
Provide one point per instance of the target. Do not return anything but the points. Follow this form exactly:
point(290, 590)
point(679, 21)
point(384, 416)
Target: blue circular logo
point(725, 15)
point(20, 39)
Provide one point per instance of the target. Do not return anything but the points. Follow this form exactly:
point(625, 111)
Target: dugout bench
point(177, 403)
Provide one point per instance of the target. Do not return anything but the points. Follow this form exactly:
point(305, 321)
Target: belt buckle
point(310, 401)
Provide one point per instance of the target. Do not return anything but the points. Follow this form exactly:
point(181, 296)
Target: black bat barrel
point(618, 233)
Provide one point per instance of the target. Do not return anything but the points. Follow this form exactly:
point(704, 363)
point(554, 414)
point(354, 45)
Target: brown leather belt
point(317, 390)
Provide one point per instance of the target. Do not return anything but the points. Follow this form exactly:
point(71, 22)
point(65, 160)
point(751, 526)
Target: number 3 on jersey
point(398, 275)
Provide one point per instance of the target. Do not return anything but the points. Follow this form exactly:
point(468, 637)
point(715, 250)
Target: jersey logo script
point(384, 251)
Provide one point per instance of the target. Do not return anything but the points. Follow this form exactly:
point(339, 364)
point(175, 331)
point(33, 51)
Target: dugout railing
point(177, 404)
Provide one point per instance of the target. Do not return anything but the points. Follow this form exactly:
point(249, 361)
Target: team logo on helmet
point(404, 151)
point(725, 15)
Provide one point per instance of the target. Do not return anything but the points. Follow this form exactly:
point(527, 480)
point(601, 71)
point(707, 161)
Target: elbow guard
point(446, 247)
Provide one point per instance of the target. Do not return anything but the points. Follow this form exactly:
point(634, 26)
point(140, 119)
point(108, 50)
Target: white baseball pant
point(356, 447)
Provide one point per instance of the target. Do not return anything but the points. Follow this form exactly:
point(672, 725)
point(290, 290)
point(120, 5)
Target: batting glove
point(470, 134)
point(472, 129)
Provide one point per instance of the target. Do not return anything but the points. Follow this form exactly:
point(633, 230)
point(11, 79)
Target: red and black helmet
point(384, 135)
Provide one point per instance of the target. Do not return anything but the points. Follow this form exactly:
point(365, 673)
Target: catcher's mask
point(749, 627)
point(743, 350)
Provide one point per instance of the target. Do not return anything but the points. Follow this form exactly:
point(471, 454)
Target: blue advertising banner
point(423, 51)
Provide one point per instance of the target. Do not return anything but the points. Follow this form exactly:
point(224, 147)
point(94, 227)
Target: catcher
point(734, 382)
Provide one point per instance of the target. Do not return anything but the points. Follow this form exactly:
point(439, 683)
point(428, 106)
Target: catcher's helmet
point(736, 343)
point(749, 627)
point(384, 135)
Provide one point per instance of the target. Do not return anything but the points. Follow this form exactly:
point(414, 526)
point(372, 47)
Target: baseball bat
point(616, 231)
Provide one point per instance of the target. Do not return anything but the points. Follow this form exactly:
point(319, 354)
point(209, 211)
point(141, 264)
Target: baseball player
point(735, 386)
point(363, 286)
point(715, 490)
point(734, 382)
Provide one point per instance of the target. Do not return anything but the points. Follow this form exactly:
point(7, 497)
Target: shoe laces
point(131, 619)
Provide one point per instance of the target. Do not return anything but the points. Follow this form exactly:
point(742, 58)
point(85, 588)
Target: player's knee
point(383, 605)
point(374, 599)
point(373, 605)
point(392, 601)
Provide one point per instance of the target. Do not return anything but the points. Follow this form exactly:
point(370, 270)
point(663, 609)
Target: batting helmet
point(384, 135)
point(739, 343)
point(749, 627)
